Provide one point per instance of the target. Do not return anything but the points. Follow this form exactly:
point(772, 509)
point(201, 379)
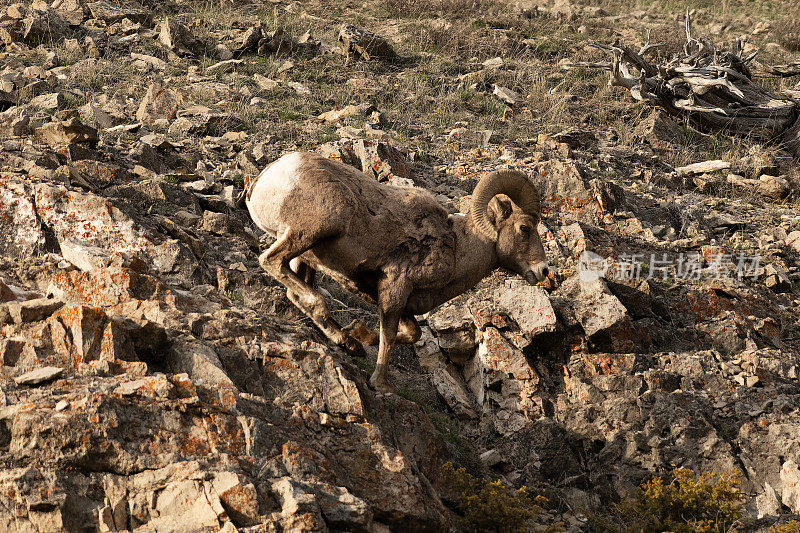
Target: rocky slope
point(155, 379)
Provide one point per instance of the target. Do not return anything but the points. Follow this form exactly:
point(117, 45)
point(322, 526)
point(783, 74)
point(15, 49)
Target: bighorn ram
point(394, 246)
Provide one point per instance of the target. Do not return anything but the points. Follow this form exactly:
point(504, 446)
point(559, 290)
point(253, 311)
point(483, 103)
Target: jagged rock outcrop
point(153, 377)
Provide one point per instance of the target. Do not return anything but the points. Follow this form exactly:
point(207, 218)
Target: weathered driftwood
point(713, 88)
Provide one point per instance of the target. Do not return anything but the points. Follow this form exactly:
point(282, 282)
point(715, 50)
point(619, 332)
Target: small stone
point(775, 187)
point(491, 458)
point(660, 130)
point(299, 88)
point(777, 279)
point(159, 102)
point(224, 66)
point(286, 66)
point(49, 102)
point(72, 12)
point(790, 485)
point(264, 83)
point(60, 406)
point(152, 61)
point(178, 38)
point(223, 52)
point(278, 44)
point(707, 182)
point(507, 95)
point(40, 375)
point(495, 62)
point(20, 126)
point(529, 306)
point(16, 11)
point(705, 166)
point(115, 12)
point(336, 115)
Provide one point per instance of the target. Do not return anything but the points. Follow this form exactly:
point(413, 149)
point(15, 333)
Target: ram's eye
point(525, 229)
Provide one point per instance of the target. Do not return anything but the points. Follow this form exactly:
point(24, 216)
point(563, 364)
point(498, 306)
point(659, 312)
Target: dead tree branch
point(712, 87)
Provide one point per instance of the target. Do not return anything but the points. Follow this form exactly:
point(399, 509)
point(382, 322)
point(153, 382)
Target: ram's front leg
point(388, 334)
point(393, 291)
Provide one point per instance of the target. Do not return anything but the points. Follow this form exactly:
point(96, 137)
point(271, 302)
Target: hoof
point(382, 386)
point(353, 347)
point(360, 331)
point(380, 382)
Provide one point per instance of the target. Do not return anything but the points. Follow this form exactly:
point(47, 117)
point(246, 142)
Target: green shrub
point(491, 506)
point(707, 503)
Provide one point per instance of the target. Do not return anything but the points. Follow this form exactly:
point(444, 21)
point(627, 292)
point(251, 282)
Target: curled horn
point(513, 184)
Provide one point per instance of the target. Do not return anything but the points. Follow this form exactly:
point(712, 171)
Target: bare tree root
point(713, 88)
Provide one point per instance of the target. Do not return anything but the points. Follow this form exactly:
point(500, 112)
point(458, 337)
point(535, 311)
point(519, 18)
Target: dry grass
point(453, 9)
point(441, 83)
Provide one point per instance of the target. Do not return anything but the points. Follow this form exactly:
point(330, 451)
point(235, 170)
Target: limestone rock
point(767, 502)
point(33, 310)
point(50, 102)
point(602, 316)
point(238, 496)
point(39, 376)
point(21, 232)
point(451, 387)
point(43, 25)
point(223, 66)
point(702, 167)
point(455, 330)
point(72, 12)
point(115, 12)
point(159, 102)
point(364, 44)
point(506, 95)
point(336, 115)
point(790, 485)
point(775, 187)
point(529, 306)
point(380, 160)
point(66, 132)
point(571, 196)
point(660, 130)
point(777, 279)
point(793, 240)
point(178, 38)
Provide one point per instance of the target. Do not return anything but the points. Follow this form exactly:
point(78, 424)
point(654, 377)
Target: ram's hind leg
point(362, 332)
point(408, 332)
point(299, 285)
point(305, 273)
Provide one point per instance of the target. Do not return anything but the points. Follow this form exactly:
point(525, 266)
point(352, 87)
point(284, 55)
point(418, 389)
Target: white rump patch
point(272, 187)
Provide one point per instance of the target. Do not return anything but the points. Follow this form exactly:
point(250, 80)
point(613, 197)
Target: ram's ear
point(500, 208)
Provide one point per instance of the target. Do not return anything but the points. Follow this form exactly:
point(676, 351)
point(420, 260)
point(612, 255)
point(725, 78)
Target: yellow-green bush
point(690, 503)
point(491, 506)
point(791, 527)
